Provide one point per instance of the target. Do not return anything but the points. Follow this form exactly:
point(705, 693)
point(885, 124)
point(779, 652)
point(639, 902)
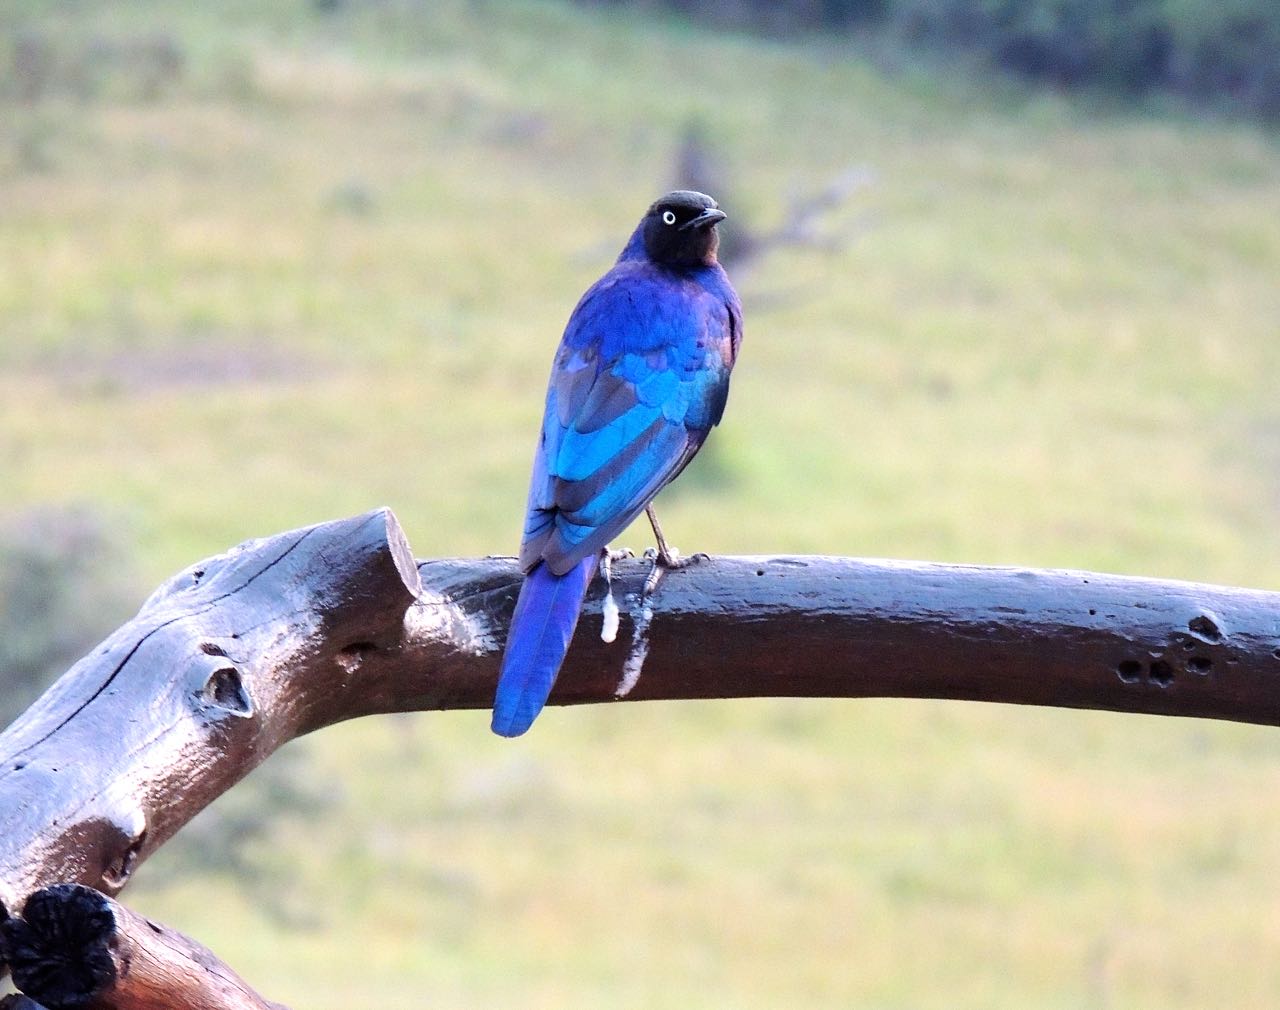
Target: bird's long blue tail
point(541, 628)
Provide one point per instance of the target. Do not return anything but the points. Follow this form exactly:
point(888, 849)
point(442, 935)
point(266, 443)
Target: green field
point(324, 268)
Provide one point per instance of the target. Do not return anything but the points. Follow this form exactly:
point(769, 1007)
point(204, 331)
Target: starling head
point(680, 229)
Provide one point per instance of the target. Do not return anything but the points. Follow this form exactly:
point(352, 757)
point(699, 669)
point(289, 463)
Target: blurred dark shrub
point(40, 65)
point(66, 581)
point(32, 67)
point(1224, 52)
point(1220, 52)
point(765, 15)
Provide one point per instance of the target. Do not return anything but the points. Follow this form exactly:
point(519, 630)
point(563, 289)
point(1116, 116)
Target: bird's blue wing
point(641, 376)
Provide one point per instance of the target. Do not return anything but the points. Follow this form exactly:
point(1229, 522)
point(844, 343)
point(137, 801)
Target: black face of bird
point(680, 229)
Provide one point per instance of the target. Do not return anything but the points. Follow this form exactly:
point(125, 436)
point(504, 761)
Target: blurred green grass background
point(323, 268)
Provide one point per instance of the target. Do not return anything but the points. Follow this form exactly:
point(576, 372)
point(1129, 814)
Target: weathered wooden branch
point(75, 947)
point(18, 1002)
point(281, 636)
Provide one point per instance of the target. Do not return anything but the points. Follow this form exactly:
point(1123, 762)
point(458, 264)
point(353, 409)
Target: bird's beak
point(706, 219)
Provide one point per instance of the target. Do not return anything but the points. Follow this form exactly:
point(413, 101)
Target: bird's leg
point(665, 557)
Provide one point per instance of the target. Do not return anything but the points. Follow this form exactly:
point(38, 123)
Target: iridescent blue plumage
point(639, 380)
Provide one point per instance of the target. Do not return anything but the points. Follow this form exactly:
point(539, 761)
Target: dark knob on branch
point(73, 947)
point(59, 950)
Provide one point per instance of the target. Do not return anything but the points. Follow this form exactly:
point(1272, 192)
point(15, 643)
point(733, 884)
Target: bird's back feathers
point(640, 378)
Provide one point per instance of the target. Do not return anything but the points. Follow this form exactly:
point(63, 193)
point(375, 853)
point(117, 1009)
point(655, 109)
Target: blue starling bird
point(639, 380)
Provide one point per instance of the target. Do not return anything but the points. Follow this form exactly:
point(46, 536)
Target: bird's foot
point(671, 559)
point(609, 556)
point(667, 559)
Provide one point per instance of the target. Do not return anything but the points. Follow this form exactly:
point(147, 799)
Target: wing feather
point(631, 399)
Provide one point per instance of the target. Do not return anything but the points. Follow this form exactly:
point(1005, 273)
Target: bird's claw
point(668, 561)
point(608, 557)
point(671, 559)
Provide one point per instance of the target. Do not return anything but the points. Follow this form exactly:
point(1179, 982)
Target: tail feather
point(541, 629)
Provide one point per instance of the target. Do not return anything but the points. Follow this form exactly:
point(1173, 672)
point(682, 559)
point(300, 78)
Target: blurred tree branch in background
point(806, 222)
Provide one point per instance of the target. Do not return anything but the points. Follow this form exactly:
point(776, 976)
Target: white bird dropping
point(609, 615)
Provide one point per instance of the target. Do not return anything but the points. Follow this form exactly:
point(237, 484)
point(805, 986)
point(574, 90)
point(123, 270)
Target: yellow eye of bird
point(668, 217)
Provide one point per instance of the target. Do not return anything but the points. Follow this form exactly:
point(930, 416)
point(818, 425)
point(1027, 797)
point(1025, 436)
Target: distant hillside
point(1222, 54)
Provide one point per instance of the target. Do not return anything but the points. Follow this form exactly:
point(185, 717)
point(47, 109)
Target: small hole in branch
point(225, 690)
point(1161, 673)
point(350, 657)
point(1205, 628)
point(120, 869)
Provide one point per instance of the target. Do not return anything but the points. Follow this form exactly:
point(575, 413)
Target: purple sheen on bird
point(640, 378)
